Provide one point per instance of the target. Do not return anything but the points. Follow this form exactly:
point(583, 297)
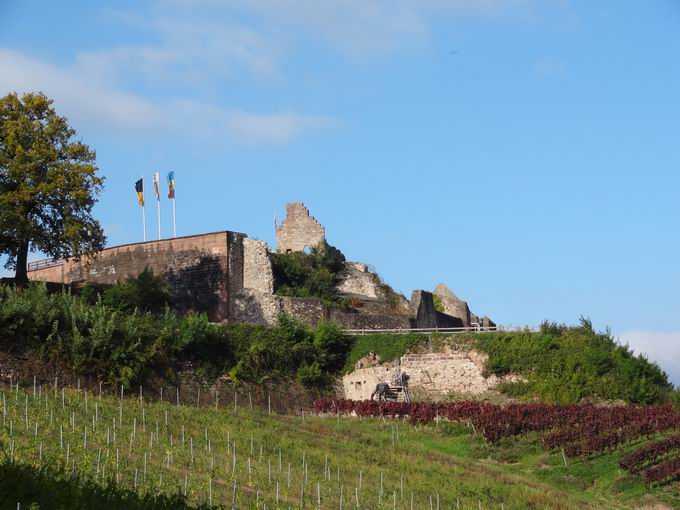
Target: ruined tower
point(299, 230)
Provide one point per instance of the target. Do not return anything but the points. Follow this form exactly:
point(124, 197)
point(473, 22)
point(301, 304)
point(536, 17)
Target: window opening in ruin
point(307, 250)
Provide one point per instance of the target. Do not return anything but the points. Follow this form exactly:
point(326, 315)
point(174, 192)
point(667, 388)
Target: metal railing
point(449, 331)
point(44, 263)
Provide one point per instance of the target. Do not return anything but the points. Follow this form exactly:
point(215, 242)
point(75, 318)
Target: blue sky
point(535, 171)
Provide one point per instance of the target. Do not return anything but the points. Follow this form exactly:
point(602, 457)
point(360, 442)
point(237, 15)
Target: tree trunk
point(21, 275)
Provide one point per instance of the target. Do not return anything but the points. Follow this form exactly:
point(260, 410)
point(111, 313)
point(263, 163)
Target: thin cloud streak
point(353, 27)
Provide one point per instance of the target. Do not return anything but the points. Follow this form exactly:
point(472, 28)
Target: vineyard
point(575, 430)
point(79, 448)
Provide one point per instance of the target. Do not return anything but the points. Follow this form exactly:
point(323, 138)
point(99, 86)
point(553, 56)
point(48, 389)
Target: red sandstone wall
point(203, 271)
point(49, 274)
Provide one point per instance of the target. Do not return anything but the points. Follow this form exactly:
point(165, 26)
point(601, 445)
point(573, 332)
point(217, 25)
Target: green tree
point(48, 185)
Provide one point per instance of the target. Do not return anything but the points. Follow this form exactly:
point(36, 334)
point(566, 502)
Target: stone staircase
point(397, 394)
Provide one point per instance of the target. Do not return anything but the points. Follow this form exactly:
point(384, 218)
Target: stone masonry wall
point(349, 320)
point(433, 374)
point(263, 309)
point(298, 230)
point(254, 307)
point(257, 268)
point(203, 270)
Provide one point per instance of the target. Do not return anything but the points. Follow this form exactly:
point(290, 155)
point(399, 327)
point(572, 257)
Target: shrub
point(309, 275)
point(146, 292)
point(124, 347)
point(438, 303)
point(333, 345)
point(567, 364)
point(311, 376)
point(674, 398)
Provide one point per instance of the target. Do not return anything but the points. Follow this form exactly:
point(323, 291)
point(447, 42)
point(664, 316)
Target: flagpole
point(174, 224)
point(143, 210)
point(158, 206)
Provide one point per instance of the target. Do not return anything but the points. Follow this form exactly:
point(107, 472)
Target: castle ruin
point(230, 277)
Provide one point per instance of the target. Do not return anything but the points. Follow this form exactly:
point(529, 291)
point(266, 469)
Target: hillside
point(66, 448)
point(125, 338)
point(560, 364)
point(100, 450)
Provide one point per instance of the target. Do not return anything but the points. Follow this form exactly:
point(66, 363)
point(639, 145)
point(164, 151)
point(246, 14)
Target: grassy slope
point(564, 366)
point(448, 460)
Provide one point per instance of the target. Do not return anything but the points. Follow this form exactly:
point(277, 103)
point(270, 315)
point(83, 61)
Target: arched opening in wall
point(289, 251)
point(307, 250)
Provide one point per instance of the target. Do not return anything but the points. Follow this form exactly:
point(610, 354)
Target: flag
point(276, 223)
point(171, 185)
point(139, 188)
point(157, 186)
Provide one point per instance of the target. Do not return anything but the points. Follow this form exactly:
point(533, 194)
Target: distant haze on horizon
point(522, 152)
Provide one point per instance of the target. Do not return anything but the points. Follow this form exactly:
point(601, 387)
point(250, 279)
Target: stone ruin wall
point(452, 304)
point(258, 275)
point(263, 309)
point(298, 230)
point(356, 279)
point(257, 304)
point(435, 374)
point(456, 307)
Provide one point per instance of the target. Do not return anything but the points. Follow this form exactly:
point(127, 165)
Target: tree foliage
point(48, 184)
point(309, 275)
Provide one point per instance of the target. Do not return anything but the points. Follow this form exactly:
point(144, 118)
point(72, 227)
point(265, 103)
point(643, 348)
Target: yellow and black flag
point(139, 188)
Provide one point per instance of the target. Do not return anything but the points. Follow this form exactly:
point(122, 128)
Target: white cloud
point(277, 127)
point(88, 101)
point(84, 100)
point(664, 348)
point(190, 50)
point(353, 26)
point(246, 127)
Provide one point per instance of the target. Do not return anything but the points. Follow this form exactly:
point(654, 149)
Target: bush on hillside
point(309, 275)
point(567, 364)
point(146, 292)
point(123, 347)
point(674, 398)
point(289, 347)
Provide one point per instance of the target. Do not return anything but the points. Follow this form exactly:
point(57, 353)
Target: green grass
point(350, 455)
point(387, 347)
